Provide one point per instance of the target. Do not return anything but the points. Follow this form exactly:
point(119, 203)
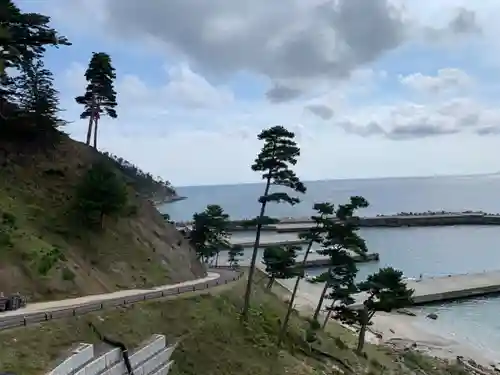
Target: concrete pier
point(449, 288)
point(384, 221)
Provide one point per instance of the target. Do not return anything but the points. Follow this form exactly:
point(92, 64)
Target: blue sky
point(406, 94)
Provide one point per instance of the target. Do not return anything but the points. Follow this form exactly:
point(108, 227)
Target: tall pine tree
point(36, 96)
point(100, 95)
point(23, 38)
point(278, 154)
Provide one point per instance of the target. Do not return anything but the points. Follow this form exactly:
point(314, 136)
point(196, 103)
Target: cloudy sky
point(372, 88)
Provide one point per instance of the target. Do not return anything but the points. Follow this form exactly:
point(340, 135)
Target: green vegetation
point(154, 188)
point(213, 341)
point(47, 181)
point(280, 151)
point(234, 255)
point(210, 232)
point(280, 262)
point(100, 96)
point(46, 255)
point(101, 193)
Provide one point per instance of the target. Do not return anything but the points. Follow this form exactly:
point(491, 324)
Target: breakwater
point(425, 219)
point(449, 288)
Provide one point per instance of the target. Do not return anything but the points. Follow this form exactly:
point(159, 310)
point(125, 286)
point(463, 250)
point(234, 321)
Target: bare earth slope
point(36, 214)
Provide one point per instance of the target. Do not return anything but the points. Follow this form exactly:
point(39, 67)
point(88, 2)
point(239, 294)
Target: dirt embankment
point(37, 197)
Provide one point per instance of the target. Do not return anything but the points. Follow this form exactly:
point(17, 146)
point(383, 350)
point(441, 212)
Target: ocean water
point(428, 251)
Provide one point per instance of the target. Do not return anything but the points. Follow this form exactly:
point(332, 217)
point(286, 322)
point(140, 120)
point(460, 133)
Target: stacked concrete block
point(82, 354)
point(153, 358)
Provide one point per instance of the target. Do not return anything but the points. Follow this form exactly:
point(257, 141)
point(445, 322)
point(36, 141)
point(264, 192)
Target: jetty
point(449, 288)
point(403, 219)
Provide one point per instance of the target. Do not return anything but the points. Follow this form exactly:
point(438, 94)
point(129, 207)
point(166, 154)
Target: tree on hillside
point(385, 291)
point(341, 239)
point(100, 193)
point(36, 96)
point(23, 38)
point(210, 232)
point(313, 235)
point(280, 151)
point(144, 183)
point(100, 95)
point(280, 262)
point(234, 255)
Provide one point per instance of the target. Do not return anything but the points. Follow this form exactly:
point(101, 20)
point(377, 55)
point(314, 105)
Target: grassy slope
point(37, 189)
point(214, 341)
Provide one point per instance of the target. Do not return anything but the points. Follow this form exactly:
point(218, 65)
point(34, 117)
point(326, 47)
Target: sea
point(436, 251)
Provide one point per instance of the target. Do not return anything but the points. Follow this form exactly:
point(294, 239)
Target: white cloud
point(447, 80)
point(321, 61)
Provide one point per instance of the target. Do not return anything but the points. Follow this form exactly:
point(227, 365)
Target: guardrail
point(39, 317)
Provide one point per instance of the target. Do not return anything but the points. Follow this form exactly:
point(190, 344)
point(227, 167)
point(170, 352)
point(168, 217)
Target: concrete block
point(157, 361)
point(118, 369)
point(81, 355)
point(112, 357)
point(96, 366)
point(156, 344)
point(163, 370)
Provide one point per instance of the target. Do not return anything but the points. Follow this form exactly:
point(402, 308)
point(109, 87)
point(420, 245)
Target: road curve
point(44, 311)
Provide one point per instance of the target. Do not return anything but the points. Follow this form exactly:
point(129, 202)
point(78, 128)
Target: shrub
point(100, 193)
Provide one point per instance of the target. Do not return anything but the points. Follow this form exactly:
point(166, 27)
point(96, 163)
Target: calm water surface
point(430, 251)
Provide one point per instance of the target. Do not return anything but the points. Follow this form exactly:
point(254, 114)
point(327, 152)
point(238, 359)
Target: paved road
point(43, 311)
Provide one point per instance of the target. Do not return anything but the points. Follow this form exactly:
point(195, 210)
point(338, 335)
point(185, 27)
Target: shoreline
point(401, 331)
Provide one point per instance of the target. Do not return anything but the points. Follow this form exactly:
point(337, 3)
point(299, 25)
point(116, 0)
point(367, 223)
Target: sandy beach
point(397, 329)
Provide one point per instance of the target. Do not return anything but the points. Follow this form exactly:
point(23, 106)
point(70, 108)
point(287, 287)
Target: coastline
point(399, 331)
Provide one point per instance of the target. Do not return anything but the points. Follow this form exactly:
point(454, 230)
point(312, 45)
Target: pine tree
point(280, 262)
point(234, 255)
point(313, 235)
point(36, 96)
point(210, 232)
point(385, 290)
point(23, 38)
point(341, 236)
point(100, 95)
point(101, 193)
point(280, 151)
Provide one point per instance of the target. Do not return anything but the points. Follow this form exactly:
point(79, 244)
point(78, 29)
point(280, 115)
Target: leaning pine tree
point(341, 237)
point(313, 235)
point(100, 95)
point(280, 151)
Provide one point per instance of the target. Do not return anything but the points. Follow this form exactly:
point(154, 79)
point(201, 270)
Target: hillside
point(214, 342)
point(37, 199)
point(153, 188)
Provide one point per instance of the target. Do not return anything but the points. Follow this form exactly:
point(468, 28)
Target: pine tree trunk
point(96, 123)
point(270, 283)
point(327, 318)
point(251, 271)
point(320, 302)
point(89, 130)
point(292, 298)
point(361, 339)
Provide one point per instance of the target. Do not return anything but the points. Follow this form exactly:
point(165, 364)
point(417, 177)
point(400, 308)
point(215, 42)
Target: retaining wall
point(152, 358)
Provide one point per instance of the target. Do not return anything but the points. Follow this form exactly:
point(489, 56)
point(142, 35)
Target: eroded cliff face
point(37, 193)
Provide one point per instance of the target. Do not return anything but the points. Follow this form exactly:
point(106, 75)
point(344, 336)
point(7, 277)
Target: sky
point(371, 88)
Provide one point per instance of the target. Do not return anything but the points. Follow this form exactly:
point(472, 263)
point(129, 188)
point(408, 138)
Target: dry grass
point(214, 340)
